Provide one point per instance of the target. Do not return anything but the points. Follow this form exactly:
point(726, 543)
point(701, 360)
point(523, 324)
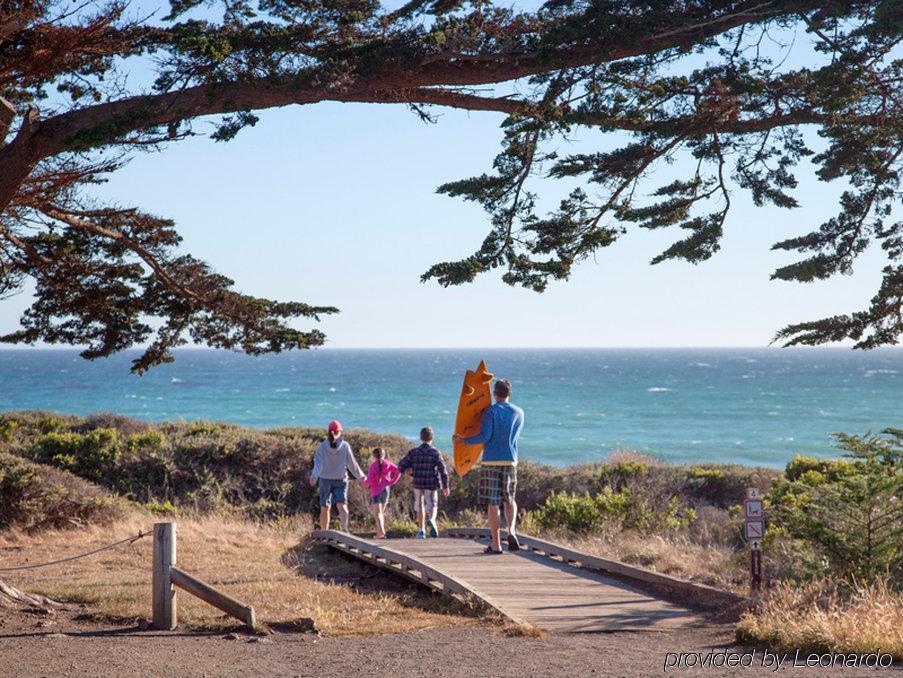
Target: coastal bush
point(33, 496)
point(199, 466)
point(7, 429)
point(208, 466)
point(850, 511)
point(92, 455)
point(625, 508)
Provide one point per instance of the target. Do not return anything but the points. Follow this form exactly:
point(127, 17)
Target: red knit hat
point(335, 426)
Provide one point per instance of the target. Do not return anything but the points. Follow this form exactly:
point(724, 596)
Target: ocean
point(749, 406)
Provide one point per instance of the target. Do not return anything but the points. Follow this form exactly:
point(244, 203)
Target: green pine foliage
point(849, 512)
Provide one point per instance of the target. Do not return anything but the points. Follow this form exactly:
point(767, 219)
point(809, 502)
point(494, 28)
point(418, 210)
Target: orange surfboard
point(475, 397)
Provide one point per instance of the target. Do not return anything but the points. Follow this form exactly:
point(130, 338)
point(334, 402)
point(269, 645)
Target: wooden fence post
point(166, 615)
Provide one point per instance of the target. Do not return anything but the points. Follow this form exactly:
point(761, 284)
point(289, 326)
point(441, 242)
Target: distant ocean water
point(751, 406)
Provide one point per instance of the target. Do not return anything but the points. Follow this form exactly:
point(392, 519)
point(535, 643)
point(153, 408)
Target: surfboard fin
point(485, 377)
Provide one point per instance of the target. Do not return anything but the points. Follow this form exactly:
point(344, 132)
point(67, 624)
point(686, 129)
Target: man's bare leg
point(324, 517)
point(510, 515)
point(494, 520)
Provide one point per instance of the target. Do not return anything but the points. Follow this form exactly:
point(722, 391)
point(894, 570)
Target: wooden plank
point(449, 583)
point(165, 608)
point(553, 595)
point(705, 596)
point(196, 587)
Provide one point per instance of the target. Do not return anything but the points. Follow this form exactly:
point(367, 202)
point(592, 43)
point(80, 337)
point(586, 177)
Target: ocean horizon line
point(204, 349)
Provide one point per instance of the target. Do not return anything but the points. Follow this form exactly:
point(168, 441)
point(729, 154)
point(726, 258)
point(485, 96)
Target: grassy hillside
point(207, 466)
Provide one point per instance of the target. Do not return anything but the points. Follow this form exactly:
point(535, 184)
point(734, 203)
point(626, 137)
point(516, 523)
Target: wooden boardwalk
point(528, 586)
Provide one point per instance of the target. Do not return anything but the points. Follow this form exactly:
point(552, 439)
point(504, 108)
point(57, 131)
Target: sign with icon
point(752, 509)
point(755, 529)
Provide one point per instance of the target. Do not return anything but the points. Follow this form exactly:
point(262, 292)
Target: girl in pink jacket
point(381, 476)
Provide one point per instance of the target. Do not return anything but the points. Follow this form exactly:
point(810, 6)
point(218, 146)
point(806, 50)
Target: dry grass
point(674, 555)
point(817, 618)
point(262, 565)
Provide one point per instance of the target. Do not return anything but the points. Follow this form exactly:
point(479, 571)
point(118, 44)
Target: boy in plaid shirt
point(429, 476)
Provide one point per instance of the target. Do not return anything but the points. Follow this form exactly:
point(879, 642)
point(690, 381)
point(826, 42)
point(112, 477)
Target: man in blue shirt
point(500, 426)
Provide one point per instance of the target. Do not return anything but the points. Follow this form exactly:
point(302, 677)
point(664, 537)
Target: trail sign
point(755, 569)
point(755, 529)
point(752, 508)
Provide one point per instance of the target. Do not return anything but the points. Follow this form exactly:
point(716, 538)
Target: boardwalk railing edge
point(702, 595)
point(410, 567)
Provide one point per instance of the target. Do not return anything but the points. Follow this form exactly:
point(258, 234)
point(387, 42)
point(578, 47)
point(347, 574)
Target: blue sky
point(336, 204)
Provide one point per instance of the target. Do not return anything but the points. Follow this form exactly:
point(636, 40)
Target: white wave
point(696, 442)
point(332, 389)
point(283, 390)
point(176, 380)
point(701, 364)
point(657, 389)
point(871, 373)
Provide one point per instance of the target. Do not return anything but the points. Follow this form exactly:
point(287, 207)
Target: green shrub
point(165, 508)
point(7, 429)
point(50, 423)
point(626, 508)
point(570, 511)
point(148, 440)
point(621, 473)
point(92, 456)
point(33, 496)
point(849, 511)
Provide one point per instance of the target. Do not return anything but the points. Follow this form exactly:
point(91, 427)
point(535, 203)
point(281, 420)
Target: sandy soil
point(60, 644)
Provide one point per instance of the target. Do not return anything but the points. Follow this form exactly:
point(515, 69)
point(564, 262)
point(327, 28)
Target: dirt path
point(32, 645)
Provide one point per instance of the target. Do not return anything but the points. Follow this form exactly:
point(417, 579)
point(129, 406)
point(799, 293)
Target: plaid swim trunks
point(497, 484)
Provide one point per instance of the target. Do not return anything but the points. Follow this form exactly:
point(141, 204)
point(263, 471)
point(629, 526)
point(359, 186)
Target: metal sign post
point(754, 532)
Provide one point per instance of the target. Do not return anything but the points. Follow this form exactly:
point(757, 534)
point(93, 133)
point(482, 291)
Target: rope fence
point(128, 540)
point(165, 577)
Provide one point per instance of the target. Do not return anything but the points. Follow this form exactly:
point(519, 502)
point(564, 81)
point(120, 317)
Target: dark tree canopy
point(705, 80)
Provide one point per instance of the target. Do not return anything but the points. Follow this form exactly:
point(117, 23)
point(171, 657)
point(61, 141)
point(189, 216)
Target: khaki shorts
point(428, 499)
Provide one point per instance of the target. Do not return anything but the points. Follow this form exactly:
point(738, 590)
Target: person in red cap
point(331, 461)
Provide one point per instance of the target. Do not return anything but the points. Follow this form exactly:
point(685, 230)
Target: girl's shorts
point(381, 498)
